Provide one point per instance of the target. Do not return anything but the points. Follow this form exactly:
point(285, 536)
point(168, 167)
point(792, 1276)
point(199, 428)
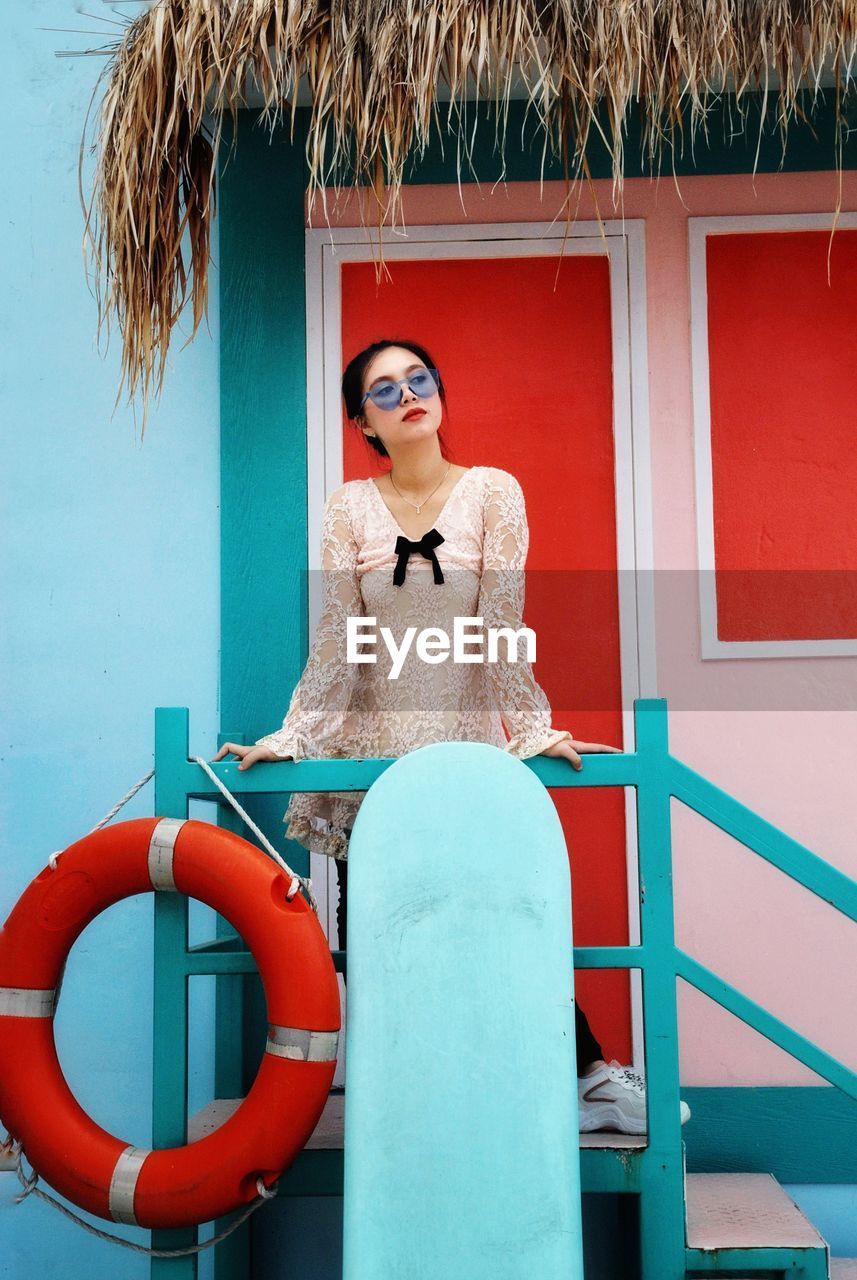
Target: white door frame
point(624, 243)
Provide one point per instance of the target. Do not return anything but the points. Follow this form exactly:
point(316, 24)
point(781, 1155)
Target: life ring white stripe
point(123, 1184)
point(161, 849)
point(24, 1002)
point(299, 1043)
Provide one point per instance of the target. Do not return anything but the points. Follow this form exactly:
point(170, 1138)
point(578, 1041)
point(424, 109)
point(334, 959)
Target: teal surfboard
point(462, 1157)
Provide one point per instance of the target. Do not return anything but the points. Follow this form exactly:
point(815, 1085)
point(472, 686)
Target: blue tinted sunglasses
point(388, 395)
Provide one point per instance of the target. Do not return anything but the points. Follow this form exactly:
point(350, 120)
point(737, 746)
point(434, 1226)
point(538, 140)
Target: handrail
point(757, 1016)
point(626, 769)
point(658, 776)
point(763, 838)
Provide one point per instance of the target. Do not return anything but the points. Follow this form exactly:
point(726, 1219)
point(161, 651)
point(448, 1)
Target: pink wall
point(735, 913)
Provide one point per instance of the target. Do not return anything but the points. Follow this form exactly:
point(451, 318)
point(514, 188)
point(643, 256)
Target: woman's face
point(392, 426)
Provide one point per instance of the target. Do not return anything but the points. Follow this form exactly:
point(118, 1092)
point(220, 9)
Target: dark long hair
point(352, 384)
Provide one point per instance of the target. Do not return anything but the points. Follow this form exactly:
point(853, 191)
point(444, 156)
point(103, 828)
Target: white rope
point(297, 880)
point(30, 1188)
point(112, 814)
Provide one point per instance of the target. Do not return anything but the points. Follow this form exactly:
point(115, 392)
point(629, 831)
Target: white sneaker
point(614, 1097)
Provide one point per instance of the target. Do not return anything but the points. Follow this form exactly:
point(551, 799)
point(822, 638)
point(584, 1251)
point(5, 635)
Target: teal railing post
point(232, 1255)
point(170, 995)
point(662, 1229)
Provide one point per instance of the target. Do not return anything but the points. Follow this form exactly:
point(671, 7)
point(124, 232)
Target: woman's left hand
point(573, 748)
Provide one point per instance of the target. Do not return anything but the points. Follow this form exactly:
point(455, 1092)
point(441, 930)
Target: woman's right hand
point(247, 755)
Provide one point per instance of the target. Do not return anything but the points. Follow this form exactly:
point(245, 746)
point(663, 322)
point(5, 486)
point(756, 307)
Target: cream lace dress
point(347, 709)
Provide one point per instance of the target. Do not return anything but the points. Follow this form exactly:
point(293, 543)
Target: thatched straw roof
point(373, 72)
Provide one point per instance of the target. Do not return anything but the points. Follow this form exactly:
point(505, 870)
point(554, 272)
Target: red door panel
point(526, 359)
point(783, 374)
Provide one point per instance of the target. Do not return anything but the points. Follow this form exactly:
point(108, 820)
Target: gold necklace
point(425, 500)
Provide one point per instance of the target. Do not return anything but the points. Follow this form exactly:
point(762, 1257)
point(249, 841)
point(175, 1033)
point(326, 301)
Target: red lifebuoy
point(174, 1186)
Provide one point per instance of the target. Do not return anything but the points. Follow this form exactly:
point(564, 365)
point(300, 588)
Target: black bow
point(425, 546)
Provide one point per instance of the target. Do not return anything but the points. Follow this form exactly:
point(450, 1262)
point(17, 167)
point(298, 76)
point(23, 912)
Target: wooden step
point(744, 1211)
point(328, 1133)
point(843, 1269)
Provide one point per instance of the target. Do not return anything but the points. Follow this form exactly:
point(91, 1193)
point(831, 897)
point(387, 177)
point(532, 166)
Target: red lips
point(412, 413)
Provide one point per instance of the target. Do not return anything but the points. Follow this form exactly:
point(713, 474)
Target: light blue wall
point(110, 588)
point(832, 1209)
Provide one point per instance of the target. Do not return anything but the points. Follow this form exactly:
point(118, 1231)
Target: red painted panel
point(783, 356)
point(526, 359)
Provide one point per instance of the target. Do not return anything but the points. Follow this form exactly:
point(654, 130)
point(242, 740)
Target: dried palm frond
point(373, 68)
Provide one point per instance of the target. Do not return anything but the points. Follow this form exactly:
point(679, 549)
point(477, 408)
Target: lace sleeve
point(522, 702)
point(320, 701)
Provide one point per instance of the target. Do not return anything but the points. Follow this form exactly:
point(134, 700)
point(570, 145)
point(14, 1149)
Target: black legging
point(588, 1048)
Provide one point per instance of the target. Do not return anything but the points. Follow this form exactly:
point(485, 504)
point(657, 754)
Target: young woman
point(427, 542)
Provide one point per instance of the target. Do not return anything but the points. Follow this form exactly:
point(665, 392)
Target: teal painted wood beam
point(798, 1134)
point(170, 988)
point(321, 1172)
point(221, 963)
point(791, 1264)
point(213, 957)
point(263, 531)
point(789, 1040)
point(768, 841)
point(232, 1255)
point(630, 957)
point(263, 544)
point(662, 1228)
point(283, 777)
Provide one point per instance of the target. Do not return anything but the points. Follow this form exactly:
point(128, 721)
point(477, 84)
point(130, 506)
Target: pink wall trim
point(734, 912)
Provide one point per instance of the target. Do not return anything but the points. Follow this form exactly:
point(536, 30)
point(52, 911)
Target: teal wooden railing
point(654, 1172)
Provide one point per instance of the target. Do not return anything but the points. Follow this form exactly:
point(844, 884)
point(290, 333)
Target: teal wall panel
point(263, 438)
point(798, 1134)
